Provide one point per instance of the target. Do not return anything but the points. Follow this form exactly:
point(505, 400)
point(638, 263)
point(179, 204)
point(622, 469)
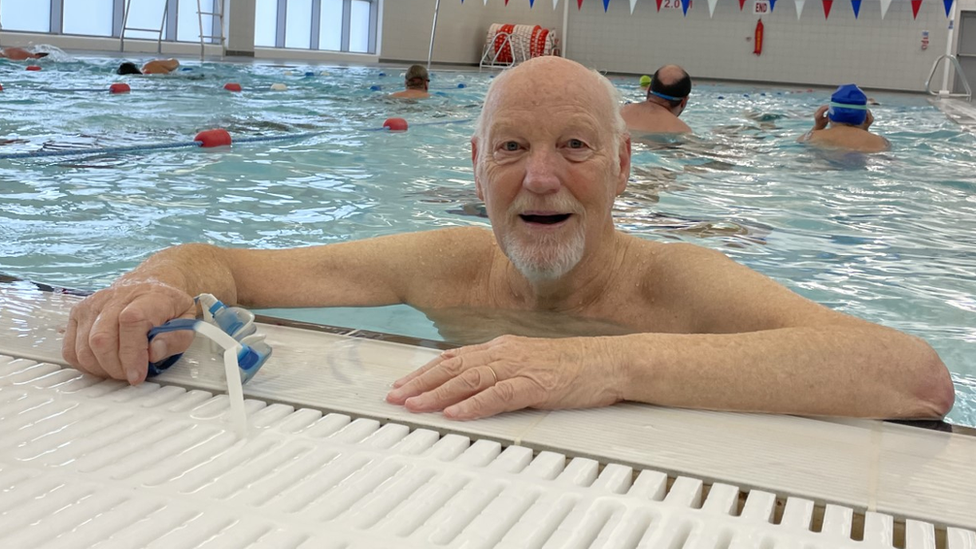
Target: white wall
point(461, 27)
point(873, 52)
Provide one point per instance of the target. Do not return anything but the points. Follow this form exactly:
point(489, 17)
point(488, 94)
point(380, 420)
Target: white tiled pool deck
point(328, 463)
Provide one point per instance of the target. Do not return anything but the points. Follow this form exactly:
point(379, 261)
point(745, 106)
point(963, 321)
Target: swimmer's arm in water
point(755, 346)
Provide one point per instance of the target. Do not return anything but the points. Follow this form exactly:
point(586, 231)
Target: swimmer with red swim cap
point(844, 123)
point(20, 54)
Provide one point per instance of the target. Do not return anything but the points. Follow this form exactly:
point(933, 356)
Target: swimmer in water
point(20, 54)
point(417, 82)
point(848, 118)
point(156, 66)
point(667, 97)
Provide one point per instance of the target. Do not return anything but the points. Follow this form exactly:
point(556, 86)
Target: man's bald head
point(550, 78)
point(670, 83)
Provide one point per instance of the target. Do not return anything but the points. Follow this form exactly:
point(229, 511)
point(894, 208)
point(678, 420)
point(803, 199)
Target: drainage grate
point(92, 463)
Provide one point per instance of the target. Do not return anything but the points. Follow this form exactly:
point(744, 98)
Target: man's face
point(548, 170)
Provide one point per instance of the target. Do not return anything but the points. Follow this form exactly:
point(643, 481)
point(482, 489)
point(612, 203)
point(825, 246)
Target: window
point(359, 26)
point(26, 16)
point(298, 24)
point(188, 22)
point(145, 15)
point(265, 23)
point(336, 25)
point(91, 17)
point(330, 25)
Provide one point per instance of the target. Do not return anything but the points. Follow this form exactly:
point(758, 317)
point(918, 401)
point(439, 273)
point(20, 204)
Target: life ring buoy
point(759, 38)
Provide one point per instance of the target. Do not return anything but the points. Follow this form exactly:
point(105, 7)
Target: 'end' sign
point(762, 7)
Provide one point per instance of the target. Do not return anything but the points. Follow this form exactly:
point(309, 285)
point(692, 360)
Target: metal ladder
point(159, 31)
point(218, 20)
point(945, 93)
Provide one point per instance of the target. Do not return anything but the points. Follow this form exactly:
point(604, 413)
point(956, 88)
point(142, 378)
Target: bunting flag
point(531, 3)
point(948, 6)
point(684, 6)
point(856, 4)
point(885, 4)
point(579, 4)
point(555, 3)
point(658, 5)
point(827, 4)
point(711, 7)
point(915, 5)
point(772, 5)
point(799, 8)
point(632, 4)
point(606, 5)
point(741, 3)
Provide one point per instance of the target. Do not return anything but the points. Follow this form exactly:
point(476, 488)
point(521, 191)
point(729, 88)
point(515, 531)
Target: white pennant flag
point(885, 4)
point(799, 7)
point(555, 3)
point(711, 7)
point(634, 3)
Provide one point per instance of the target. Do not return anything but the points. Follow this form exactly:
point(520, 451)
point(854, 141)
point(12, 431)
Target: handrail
point(125, 27)
point(945, 93)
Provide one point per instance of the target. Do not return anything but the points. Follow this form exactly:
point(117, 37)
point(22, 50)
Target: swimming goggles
point(667, 97)
point(835, 105)
point(229, 328)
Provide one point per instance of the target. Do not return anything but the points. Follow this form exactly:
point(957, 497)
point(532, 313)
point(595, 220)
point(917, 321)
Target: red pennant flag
point(579, 4)
point(741, 3)
point(506, 2)
point(658, 5)
point(915, 5)
point(827, 4)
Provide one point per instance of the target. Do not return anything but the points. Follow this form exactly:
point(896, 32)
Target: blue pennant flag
point(606, 4)
point(856, 4)
point(772, 5)
point(531, 3)
point(948, 6)
point(684, 6)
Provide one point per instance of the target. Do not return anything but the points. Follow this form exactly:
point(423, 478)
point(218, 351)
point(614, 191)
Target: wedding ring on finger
point(494, 377)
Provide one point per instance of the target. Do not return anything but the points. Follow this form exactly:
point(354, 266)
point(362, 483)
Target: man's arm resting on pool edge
point(756, 347)
point(106, 333)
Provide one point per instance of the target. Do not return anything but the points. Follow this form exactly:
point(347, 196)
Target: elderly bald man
point(550, 153)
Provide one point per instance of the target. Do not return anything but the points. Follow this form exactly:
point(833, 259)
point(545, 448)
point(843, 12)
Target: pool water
point(886, 237)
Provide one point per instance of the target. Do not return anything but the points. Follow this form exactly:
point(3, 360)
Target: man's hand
point(868, 120)
point(510, 373)
point(820, 119)
point(108, 332)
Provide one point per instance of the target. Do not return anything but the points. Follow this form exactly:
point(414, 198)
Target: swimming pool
point(886, 237)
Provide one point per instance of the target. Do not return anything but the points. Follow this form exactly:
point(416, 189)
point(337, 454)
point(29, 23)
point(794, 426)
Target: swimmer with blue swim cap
point(848, 118)
point(848, 105)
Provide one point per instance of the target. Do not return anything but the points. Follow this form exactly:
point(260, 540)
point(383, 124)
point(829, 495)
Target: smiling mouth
point(550, 219)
